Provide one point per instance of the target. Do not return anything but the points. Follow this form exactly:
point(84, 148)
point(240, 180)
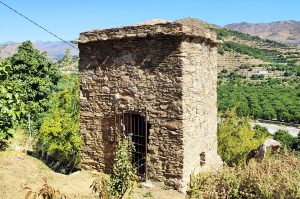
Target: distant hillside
point(287, 32)
point(54, 49)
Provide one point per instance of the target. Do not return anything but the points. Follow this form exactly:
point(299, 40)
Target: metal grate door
point(135, 127)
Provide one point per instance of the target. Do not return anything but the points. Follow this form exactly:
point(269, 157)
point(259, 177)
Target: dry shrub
point(276, 177)
point(45, 192)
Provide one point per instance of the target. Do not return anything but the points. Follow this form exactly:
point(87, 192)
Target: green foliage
point(33, 85)
point(102, 185)
point(261, 131)
point(123, 177)
point(296, 144)
point(236, 139)
point(37, 78)
point(67, 58)
point(289, 69)
point(277, 177)
point(123, 170)
point(68, 61)
point(257, 76)
point(59, 135)
point(266, 101)
point(11, 107)
point(286, 139)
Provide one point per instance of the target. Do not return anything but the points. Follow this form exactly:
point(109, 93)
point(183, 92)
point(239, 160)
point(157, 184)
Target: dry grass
point(276, 177)
point(17, 169)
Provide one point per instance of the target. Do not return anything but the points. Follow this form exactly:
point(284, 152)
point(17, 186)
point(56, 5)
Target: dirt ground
point(17, 169)
point(156, 193)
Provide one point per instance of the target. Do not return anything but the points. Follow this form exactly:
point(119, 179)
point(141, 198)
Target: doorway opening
point(136, 128)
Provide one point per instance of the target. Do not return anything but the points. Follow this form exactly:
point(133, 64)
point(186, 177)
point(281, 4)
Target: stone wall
point(199, 108)
point(144, 73)
point(168, 68)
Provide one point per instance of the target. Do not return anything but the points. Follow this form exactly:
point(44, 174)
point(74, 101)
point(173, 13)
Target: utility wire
point(68, 43)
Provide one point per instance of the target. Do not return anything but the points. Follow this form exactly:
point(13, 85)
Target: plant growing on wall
point(123, 177)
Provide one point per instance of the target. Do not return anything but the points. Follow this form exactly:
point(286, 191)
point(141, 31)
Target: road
point(272, 128)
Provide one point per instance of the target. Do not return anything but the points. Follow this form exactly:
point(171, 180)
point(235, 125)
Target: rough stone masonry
point(169, 70)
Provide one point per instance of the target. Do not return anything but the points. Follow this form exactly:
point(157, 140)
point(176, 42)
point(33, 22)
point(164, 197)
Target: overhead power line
point(41, 27)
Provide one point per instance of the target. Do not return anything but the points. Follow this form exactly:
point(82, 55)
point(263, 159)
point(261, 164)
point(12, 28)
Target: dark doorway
point(137, 129)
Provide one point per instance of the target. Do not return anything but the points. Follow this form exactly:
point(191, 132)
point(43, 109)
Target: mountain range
point(55, 49)
point(287, 32)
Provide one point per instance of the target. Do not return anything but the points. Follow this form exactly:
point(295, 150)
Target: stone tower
point(155, 84)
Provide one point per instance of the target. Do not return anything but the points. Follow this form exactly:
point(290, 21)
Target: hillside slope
point(18, 169)
point(260, 77)
point(248, 56)
point(287, 32)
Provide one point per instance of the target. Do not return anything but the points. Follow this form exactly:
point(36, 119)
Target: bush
point(261, 131)
point(236, 139)
point(257, 76)
point(296, 145)
point(123, 177)
point(289, 142)
point(59, 136)
point(284, 138)
point(277, 177)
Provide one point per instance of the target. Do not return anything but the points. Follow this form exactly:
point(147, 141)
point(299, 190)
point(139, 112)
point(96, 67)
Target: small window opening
point(202, 158)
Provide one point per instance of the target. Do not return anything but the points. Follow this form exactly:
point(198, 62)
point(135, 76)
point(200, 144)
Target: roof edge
point(143, 31)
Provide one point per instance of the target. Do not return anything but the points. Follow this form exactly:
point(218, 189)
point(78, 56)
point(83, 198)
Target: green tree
point(11, 107)
point(66, 61)
point(37, 77)
point(272, 102)
point(236, 139)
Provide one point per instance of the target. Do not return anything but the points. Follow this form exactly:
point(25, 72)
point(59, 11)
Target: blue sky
point(67, 18)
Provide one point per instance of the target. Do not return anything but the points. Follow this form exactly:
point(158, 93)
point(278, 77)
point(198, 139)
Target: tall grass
point(274, 178)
